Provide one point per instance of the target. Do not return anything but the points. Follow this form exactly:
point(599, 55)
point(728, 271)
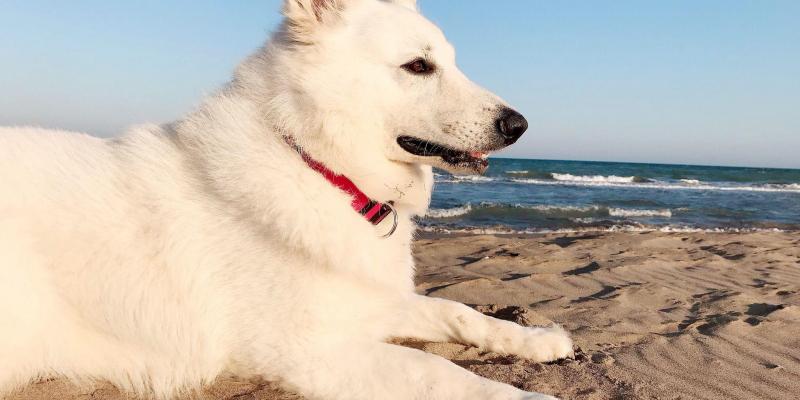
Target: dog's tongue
point(478, 154)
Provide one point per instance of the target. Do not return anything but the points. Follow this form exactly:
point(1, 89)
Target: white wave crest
point(449, 212)
point(546, 208)
point(792, 188)
point(620, 182)
point(586, 221)
point(439, 213)
point(612, 229)
point(595, 178)
point(462, 179)
point(621, 212)
point(473, 178)
point(466, 209)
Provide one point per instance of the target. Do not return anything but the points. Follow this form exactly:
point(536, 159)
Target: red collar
point(373, 211)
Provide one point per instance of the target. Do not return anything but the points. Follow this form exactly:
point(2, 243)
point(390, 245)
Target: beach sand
point(655, 315)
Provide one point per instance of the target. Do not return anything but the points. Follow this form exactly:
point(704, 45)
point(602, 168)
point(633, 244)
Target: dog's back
point(33, 159)
point(45, 178)
point(80, 257)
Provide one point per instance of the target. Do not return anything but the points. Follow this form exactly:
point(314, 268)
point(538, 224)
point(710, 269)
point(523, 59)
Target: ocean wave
point(599, 178)
point(784, 188)
point(584, 213)
point(440, 213)
point(585, 221)
point(531, 174)
point(463, 179)
point(791, 186)
point(612, 229)
point(614, 181)
point(487, 206)
point(473, 178)
point(550, 208)
point(626, 213)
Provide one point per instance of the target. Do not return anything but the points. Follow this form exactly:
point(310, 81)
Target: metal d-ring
point(394, 224)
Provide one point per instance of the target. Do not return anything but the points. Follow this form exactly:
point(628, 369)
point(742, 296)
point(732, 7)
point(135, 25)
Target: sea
point(538, 196)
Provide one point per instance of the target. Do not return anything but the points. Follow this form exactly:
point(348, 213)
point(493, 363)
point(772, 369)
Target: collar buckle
point(373, 211)
point(395, 221)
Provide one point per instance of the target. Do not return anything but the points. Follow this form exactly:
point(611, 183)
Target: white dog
point(267, 233)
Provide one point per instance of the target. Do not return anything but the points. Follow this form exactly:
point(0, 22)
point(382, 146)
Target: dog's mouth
point(453, 160)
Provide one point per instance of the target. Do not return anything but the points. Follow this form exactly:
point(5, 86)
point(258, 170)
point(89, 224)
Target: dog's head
point(379, 70)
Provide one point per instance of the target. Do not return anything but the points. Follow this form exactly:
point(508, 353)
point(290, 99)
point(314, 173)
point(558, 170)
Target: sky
point(713, 82)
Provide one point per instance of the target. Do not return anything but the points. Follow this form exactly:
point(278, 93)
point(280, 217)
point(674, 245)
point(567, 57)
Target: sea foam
point(449, 212)
point(620, 182)
point(551, 210)
point(594, 179)
point(623, 183)
point(625, 213)
point(616, 228)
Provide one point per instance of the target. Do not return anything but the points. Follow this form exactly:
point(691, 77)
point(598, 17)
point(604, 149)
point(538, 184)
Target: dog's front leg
point(443, 320)
point(369, 371)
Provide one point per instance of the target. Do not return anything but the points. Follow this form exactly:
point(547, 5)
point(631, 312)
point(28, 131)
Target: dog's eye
point(419, 67)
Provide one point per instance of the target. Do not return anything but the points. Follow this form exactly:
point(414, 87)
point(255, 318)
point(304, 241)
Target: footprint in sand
point(726, 252)
point(594, 266)
point(759, 311)
point(760, 283)
point(565, 242)
point(702, 319)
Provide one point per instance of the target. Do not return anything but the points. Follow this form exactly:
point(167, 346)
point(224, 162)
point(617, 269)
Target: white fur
point(173, 254)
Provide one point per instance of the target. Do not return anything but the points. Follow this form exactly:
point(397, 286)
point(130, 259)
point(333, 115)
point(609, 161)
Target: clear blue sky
point(685, 81)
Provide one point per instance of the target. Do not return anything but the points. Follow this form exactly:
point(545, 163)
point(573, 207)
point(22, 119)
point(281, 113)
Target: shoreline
point(435, 231)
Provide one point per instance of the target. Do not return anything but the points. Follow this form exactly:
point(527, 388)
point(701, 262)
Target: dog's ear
point(412, 4)
point(303, 17)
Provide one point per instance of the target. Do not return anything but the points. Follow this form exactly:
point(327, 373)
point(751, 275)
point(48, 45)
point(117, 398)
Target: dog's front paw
point(546, 344)
point(515, 394)
point(537, 396)
point(537, 344)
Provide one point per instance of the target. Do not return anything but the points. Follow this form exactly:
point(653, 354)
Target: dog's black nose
point(511, 125)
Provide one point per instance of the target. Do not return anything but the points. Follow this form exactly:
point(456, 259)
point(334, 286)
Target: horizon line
point(648, 163)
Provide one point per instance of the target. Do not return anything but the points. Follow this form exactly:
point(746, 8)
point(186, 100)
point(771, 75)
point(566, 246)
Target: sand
point(655, 315)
